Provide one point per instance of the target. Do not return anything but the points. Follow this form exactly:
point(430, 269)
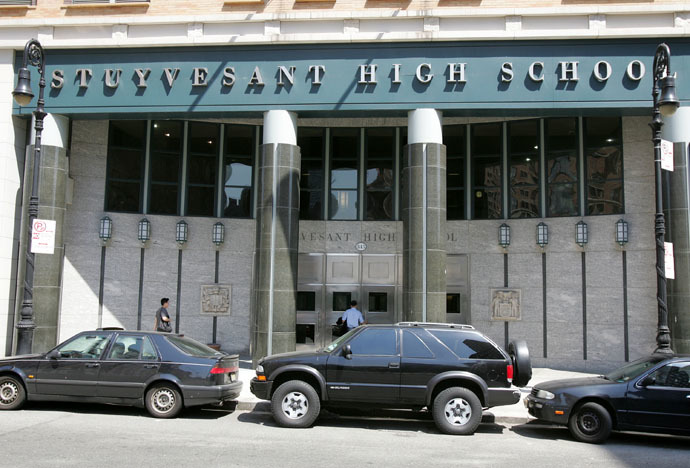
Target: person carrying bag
point(163, 323)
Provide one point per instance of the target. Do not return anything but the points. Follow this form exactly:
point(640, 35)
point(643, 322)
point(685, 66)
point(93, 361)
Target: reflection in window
point(414, 347)
point(456, 147)
point(676, 375)
point(380, 147)
point(487, 148)
point(561, 141)
point(453, 303)
point(165, 166)
point(341, 301)
point(304, 333)
point(378, 302)
point(604, 162)
point(306, 300)
point(375, 342)
point(523, 158)
point(202, 165)
point(343, 201)
point(125, 173)
point(238, 171)
point(312, 151)
point(89, 346)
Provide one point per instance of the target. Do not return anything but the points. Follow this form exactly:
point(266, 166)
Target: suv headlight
point(259, 369)
point(543, 394)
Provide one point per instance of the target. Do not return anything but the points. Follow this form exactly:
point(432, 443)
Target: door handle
point(93, 364)
point(150, 366)
point(394, 365)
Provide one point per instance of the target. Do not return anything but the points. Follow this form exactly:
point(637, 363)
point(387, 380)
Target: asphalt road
point(57, 435)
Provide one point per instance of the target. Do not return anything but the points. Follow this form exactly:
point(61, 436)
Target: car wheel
point(12, 394)
point(591, 423)
point(522, 365)
point(457, 411)
point(163, 401)
point(295, 404)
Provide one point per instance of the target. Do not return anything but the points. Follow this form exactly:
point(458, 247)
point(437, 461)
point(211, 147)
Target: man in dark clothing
point(163, 318)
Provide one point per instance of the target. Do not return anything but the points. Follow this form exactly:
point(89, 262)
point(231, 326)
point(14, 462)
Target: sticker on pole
point(43, 236)
point(667, 155)
point(668, 260)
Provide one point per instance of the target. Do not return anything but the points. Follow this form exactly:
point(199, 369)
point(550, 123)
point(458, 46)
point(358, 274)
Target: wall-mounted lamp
point(218, 233)
point(621, 232)
point(504, 235)
point(144, 230)
point(105, 231)
point(542, 234)
point(581, 233)
point(181, 232)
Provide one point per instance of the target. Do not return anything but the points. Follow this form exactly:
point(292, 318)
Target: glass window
point(88, 346)
point(311, 143)
point(452, 303)
point(375, 342)
point(306, 300)
point(238, 171)
point(414, 347)
point(379, 177)
point(487, 150)
point(603, 141)
point(202, 168)
point(132, 347)
point(304, 333)
point(467, 345)
point(125, 172)
point(676, 375)
point(191, 347)
point(561, 141)
point(343, 203)
point(378, 302)
point(456, 149)
point(341, 301)
point(523, 160)
point(165, 167)
point(634, 369)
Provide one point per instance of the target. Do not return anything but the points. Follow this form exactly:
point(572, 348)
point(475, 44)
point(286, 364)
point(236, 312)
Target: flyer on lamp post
point(43, 236)
point(668, 260)
point(667, 155)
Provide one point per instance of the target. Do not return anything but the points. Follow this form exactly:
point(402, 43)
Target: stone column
point(52, 199)
point(424, 218)
point(277, 236)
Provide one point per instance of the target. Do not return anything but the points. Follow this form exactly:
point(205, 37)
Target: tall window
point(165, 167)
point(487, 148)
point(125, 173)
point(604, 162)
point(202, 168)
point(379, 177)
point(561, 166)
point(456, 149)
point(312, 150)
point(523, 158)
point(343, 203)
point(238, 168)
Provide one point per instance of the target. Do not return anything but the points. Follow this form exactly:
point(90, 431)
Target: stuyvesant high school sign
point(455, 77)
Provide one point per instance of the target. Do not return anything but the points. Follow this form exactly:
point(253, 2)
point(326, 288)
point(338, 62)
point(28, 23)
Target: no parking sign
point(43, 236)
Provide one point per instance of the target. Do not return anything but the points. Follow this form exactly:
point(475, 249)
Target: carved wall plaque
point(215, 299)
point(505, 305)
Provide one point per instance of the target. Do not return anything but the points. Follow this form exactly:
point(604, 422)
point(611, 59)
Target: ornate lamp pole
point(665, 103)
point(33, 54)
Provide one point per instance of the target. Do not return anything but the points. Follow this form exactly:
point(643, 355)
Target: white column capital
point(424, 126)
point(280, 126)
point(55, 131)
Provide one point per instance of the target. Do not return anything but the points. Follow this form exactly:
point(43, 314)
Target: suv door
point(371, 373)
point(131, 361)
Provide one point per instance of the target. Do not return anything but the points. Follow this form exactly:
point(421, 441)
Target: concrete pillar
point(53, 198)
point(424, 218)
point(277, 236)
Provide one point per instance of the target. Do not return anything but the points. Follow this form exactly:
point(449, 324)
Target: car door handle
point(150, 366)
point(92, 364)
point(393, 365)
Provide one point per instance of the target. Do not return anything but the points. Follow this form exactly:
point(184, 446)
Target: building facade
point(373, 151)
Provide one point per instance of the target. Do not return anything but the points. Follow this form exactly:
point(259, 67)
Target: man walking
point(352, 316)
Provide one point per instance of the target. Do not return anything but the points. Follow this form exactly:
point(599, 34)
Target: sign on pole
point(43, 236)
point(668, 260)
point(667, 155)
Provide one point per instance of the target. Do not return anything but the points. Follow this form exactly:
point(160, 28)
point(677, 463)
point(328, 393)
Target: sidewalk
point(516, 413)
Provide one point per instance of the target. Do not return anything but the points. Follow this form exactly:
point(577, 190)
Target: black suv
point(453, 370)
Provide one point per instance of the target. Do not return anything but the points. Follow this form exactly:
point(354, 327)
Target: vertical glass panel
point(165, 166)
point(523, 157)
point(125, 169)
point(379, 178)
point(562, 150)
point(202, 168)
point(604, 163)
point(378, 302)
point(452, 303)
point(304, 333)
point(201, 200)
point(487, 144)
point(238, 171)
point(306, 300)
point(341, 301)
point(312, 150)
point(343, 203)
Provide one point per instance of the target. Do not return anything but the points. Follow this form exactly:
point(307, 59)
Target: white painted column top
point(280, 126)
point(424, 126)
point(676, 127)
point(55, 131)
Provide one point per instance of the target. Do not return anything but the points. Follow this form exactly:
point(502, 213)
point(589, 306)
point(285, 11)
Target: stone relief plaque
point(215, 299)
point(505, 305)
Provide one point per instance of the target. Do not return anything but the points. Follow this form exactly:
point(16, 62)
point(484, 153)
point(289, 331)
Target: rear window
point(467, 345)
point(191, 347)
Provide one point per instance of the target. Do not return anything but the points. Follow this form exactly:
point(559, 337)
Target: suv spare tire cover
point(522, 365)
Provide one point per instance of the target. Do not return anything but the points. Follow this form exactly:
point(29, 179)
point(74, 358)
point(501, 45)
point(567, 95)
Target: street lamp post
point(34, 55)
point(665, 103)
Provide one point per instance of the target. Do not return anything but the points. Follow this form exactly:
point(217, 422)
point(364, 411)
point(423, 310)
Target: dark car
point(163, 372)
point(453, 370)
point(651, 394)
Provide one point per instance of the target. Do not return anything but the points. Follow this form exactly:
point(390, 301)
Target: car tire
point(295, 404)
point(590, 423)
point(522, 364)
point(12, 393)
point(163, 401)
point(457, 411)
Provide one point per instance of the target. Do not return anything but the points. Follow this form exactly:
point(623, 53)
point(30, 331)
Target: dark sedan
point(648, 395)
point(163, 372)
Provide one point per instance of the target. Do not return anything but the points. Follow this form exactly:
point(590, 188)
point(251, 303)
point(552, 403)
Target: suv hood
point(310, 358)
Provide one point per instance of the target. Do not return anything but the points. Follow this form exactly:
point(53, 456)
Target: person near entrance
point(163, 323)
point(352, 316)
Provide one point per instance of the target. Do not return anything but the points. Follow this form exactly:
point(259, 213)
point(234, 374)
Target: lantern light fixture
point(218, 236)
point(105, 231)
point(581, 233)
point(542, 234)
point(621, 232)
point(144, 230)
point(181, 232)
point(504, 235)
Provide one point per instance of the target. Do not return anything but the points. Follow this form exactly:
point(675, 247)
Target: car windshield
point(337, 342)
point(192, 347)
point(634, 369)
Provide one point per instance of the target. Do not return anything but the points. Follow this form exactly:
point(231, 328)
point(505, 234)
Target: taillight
point(509, 373)
point(223, 370)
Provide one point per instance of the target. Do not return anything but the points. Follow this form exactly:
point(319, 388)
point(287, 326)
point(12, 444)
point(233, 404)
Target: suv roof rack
point(436, 324)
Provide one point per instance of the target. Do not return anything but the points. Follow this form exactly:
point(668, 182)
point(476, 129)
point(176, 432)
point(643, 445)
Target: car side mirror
point(54, 354)
point(347, 351)
point(647, 381)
